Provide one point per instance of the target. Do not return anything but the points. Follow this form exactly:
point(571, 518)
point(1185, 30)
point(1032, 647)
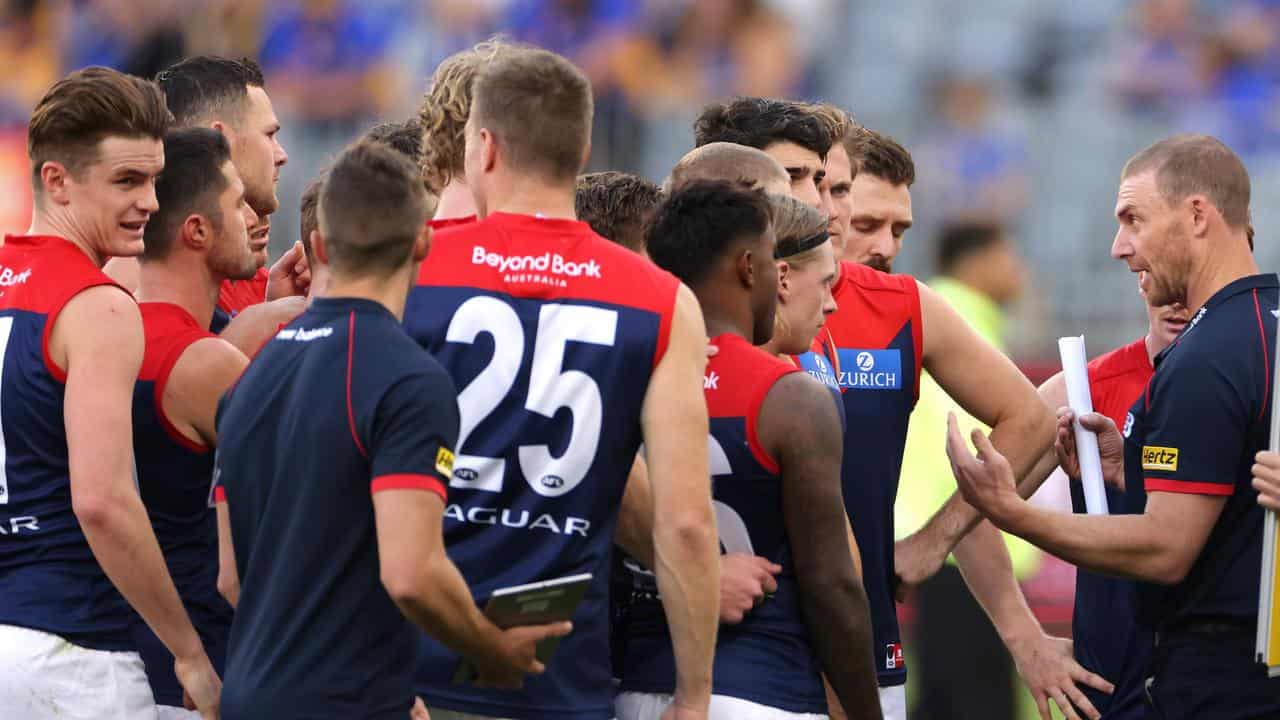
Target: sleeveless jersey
point(1107, 639)
point(551, 333)
point(49, 578)
point(822, 362)
point(767, 658)
point(174, 474)
point(877, 332)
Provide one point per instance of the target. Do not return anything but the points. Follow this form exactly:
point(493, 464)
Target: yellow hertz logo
point(444, 462)
point(1159, 458)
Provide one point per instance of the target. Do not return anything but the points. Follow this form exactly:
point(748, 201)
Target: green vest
point(926, 481)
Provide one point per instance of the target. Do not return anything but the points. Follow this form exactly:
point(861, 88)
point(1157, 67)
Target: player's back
point(1105, 637)
point(551, 334)
point(173, 474)
point(877, 330)
point(767, 658)
point(49, 578)
point(315, 634)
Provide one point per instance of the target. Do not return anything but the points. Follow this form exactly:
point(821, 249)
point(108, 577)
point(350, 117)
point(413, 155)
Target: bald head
point(737, 164)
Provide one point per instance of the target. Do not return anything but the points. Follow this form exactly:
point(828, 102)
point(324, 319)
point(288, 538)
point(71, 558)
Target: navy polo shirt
point(1203, 417)
point(341, 404)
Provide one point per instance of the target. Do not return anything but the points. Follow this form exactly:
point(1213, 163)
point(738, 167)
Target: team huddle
point(233, 490)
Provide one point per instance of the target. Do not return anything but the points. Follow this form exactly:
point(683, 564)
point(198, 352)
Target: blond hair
point(445, 108)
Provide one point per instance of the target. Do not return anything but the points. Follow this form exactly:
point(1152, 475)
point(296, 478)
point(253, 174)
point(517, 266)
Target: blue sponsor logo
point(870, 369)
point(818, 367)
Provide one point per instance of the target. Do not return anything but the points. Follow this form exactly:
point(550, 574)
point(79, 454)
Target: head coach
point(1188, 442)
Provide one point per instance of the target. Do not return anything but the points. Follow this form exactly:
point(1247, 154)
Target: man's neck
point(725, 320)
point(455, 201)
point(1152, 351)
point(391, 292)
point(60, 225)
point(182, 280)
point(1232, 262)
point(528, 195)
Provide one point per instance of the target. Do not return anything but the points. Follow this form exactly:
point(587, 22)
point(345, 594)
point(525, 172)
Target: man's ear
point(54, 181)
point(422, 244)
point(784, 277)
point(488, 150)
point(197, 233)
point(319, 248)
point(743, 264)
point(1201, 209)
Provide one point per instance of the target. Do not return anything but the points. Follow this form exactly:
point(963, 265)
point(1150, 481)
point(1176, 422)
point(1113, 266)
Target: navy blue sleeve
point(414, 432)
point(1200, 410)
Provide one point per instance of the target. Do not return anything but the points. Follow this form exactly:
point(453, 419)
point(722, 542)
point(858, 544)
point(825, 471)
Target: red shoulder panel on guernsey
point(549, 259)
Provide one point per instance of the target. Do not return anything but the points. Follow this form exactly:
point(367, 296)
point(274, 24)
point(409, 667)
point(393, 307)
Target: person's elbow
point(229, 587)
point(98, 508)
point(410, 578)
point(1171, 567)
point(689, 531)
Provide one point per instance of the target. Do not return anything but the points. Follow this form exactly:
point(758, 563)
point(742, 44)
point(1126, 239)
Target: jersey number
point(6, 328)
point(551, 388)
point(733, 531)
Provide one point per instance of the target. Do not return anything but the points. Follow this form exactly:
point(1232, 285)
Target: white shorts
point(650, 706)
point(893, 702)
point(168, 712)
point(43, 677)
point(442, 714)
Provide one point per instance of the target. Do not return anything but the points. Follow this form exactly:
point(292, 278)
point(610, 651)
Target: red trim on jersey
point(173, 324)
point(1186, 488)
point(163, 380)
point(408, 481)
point(236, 295)
point(1266, 361)
point(917, 331)
point(219, 494)
point(450, 222)
point(351, 415)
point(758, 395)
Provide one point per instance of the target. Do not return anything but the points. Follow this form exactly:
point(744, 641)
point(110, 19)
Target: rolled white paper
point(1075, 371)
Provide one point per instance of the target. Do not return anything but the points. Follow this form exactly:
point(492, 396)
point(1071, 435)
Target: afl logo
point(465, 474)
point(552, 482)
point(865, 361)
point(1128, 424)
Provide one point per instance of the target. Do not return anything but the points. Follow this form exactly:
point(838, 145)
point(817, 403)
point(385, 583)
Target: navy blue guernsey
point(1196, 429)
point(341, 404)
point(767, 658)
point(879, 343)
point(49, 578)
point(174, 473)
point(822, 362)
point(551, 333)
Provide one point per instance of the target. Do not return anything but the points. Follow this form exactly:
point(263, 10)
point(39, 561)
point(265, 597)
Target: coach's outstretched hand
point(1110, 446)
point(517, 655)
point(1049, 669)
point(201, 686)
point(986, 481)
point(916, 558)
point(1266, 479)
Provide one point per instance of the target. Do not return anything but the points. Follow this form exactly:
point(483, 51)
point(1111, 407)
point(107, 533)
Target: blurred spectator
point(971, 164)
point(325, 60)
point(141, 37)
point(229, 28)
point(29, 52)
point(1241, 81)
point(1154, 66)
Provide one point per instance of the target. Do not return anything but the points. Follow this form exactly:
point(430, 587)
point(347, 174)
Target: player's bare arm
point(427, 587)
point(98, 341)
point(256, 324)
point(228, 575)
point(686, 545)
point(1158, 546)
point(125, 271)
point(745, 579)
point(800, 427)
point(206, 370)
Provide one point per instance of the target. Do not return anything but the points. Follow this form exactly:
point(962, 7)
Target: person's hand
point(419, 710)
point(986, 481)
point(1266, 479)
point(681, 710)
point(1048, 667)
point(745, 580)
point(290, 274)
point(1110, 446)
point(201, 686)
point(916, 558)
point(518, 655)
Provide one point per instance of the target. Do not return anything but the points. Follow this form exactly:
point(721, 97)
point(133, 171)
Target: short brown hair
point(539, 108)
point(840, 123)
point(445, 108)
point(1197, 164)
point(744, 166)
point(879, 156)
point(616, 205)
point(760, 122)
point(372, 208)
point(794, 223)
point(309, 210)
point(191, 183)
point(86, 107)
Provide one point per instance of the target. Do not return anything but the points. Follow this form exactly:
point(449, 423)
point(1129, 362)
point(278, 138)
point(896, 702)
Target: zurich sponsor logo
point(871, 369)
point(818, 367)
